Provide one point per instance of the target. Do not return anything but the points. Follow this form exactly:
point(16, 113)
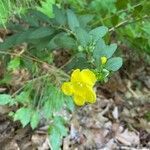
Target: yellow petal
point(75, 76)
point(67, 88)
point(103, 60)
point(78, 88)
point(90, 95)
point(88, 77)
point(79, 100)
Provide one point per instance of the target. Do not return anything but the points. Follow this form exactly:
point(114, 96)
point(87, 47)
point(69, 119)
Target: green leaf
point(5, 99)
point(64, 41)
point(14, 63)
point(82, 36)
point(31, 20)
point(115, 20)
point(85, 19)
point(107, 51)
point(15, 27)
point(72, 20)
point(137, 11)
point(52, 45)
point(41, 33)
point(4, 12)
point(47, 7)
point(15, 39)
point(98, 32)
point(55, 139)
point(23, 36)
point(57, 131)
point(35, 118)
point(59, 123)
point(146, 28)
point(53, 100)
point(78, 61)
point(23, 115)
point(23, 97)
point(110, 49)
point(40, 16)
point(114, 64)
point(47, 108)
point(60, 16)
point(121, 4)
point(99, 47)
point(69, 103)
point(40, 44)
point(9, 42)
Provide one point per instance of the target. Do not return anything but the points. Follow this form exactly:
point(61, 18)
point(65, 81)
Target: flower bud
point(103, 60)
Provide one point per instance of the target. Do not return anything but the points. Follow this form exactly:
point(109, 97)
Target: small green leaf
point(115, 20)
point(9, 42)
point(110, 49)
point(78, 61)
point(23, 115)
point(5, 99)
point(47, 7)
point(146, 28)
point(40, 15)
point(98, 32)
point(107, 51)
point(99, 47)
point(69, 103)
point(35, 118)
point(23, 36)
point(114, 64)
point(64, 41)
point(31, 20)
point(60, 16)
point(47, 108)
point(23, 97)
point(52, 45)
point(85, 19)
point(14, 63)
point(72, 20)
point(53, 100)
point(57, 131)
point(41, 33)
point(121, 4)
point(40, 44)
point(55, 139)
point(82, 36)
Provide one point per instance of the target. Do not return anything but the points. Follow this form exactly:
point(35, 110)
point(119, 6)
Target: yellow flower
point(103, 60)
point(81, 87)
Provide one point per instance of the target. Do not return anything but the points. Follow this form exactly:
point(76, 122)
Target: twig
point(52, 68)
point(126, 22)
point(67, 62)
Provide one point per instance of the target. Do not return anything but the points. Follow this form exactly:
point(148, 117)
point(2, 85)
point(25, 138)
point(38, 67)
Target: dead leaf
point(128, 138)
point(115, 113)
point(11, 146)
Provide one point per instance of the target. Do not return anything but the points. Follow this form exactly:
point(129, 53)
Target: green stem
point(127, 22)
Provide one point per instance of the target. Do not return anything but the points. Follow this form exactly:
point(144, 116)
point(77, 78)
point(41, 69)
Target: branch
point(126, 22)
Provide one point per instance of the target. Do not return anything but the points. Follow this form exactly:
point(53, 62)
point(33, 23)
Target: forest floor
point(120, 119)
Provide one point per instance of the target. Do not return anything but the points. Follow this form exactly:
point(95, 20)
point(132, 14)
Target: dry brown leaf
point(128, 138)
point(115, 113)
